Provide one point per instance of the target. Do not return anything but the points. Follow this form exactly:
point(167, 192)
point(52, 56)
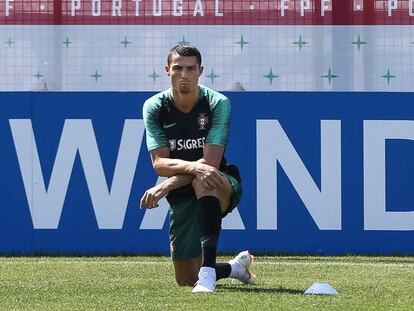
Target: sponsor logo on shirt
point(186, 144)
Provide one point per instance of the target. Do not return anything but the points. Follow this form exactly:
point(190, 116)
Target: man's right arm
point(167, 167)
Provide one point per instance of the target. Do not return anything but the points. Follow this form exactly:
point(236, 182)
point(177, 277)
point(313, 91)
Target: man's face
point(184, 72)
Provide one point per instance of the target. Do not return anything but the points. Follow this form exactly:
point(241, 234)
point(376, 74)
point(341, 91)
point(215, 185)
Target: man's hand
point(152, 196)
point(209, 176)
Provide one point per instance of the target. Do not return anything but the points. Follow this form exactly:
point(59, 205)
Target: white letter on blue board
point(274, 146)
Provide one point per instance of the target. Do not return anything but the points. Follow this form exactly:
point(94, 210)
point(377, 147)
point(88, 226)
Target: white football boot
point(206, 281)
point(240, 268)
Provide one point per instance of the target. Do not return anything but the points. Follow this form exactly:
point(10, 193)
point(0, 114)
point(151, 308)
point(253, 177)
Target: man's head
point(184, 68)
point(185, 50)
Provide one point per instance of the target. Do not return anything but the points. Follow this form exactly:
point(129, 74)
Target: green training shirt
point(186, 133)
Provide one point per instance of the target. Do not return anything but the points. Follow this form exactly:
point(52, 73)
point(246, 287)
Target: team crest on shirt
point(173, 144)
point(202, 121)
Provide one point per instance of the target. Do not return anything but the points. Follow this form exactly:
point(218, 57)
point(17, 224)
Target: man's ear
point(201, 70)
point(167, 70)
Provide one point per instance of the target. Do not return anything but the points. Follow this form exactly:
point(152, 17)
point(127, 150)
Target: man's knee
point(186, 271)
point(185, 281)
point(202, 191)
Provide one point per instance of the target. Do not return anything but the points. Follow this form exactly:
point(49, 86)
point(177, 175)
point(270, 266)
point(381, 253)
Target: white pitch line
point(324, 263)
point(86, 262)
point(257, 262)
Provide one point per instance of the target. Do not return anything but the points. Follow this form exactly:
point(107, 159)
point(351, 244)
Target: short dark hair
point(185, 50)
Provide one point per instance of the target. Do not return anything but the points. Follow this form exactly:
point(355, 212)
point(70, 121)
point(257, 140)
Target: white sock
point(211, 272)
point(236, 269)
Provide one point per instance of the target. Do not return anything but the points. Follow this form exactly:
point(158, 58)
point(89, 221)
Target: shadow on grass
point(257, 289)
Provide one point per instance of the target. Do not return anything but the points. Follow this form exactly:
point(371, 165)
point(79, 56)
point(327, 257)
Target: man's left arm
point(218, 134)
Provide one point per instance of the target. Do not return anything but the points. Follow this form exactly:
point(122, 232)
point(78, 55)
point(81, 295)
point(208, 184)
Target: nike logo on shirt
point(168, 125)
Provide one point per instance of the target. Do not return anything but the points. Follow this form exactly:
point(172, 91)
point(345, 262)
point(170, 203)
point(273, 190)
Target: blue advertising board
point(322, 173)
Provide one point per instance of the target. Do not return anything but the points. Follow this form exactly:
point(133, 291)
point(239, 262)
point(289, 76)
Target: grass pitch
point(147, 283)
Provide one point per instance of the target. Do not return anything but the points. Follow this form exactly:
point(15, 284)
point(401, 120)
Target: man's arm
point(165, 166)
point(204, 167)
point(207, 173)
point(212, 157)
point(153, 195)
